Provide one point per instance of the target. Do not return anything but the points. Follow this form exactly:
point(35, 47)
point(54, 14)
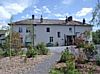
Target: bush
point(54, 71)
point(30, 53)
point(66, 55)
point(41, 49)
point(98, 59)
point(1, 52)
point(6, 53)
point(90, 50)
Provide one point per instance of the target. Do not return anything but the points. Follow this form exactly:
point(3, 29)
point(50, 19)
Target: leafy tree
point(96, 14)
point(96, 37)
point(15, 41)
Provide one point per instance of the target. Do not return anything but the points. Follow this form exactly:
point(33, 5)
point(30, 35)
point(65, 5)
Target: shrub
point(66, 55)
point(90, 50)
point(6, 53)
point(30, 53)
point(41, 49)
point(98, 59)
point(79, 42)
point(54, 71)
point(1, 52)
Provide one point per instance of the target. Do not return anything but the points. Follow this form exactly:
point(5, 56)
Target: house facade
point(56, 32)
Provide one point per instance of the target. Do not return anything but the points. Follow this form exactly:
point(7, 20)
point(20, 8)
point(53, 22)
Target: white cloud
point(46, 9)
point(84, 12)
point(4, 14)
point(37, 11)
point(67, 1)
point(61, 18)
point(58, 15)
point(26, 16)
point(13, 7)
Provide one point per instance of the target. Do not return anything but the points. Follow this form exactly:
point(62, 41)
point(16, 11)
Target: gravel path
point(46, 65)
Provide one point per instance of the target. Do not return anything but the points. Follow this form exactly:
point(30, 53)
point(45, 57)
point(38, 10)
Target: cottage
point(56, 32)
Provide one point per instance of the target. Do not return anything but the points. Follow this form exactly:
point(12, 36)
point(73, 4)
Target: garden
point(84, 60)
point(21, 61)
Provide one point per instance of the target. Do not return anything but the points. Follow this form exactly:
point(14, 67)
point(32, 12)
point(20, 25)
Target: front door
point(70, 39)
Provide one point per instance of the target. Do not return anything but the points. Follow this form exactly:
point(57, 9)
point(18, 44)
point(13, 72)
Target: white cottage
point(56, 32)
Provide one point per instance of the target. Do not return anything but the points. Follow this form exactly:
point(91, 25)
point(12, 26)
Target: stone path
point(46, 65)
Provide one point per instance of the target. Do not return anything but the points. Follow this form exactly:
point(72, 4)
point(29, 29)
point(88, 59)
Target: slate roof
point(48, 22)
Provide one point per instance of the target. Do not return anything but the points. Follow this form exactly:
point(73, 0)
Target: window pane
point(51, 39)
point(20, 29)
point(58, 33)
point(48, 29)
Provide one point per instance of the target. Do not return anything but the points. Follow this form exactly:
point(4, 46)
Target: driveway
point(45, 66)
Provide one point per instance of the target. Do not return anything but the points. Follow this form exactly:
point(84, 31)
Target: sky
point(49, 9)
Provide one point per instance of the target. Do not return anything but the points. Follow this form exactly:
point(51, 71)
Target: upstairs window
point(58, 34)
point(70, 29)
point(51, 39)
point(20, 29)
point(27, 30)
point(48, 29)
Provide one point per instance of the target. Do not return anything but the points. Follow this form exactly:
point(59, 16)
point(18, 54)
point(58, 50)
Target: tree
point(15, 41)
point(96, 37)
point(96, 14)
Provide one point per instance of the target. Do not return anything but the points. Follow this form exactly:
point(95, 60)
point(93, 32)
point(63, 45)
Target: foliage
point(55, 71)
point(6, 53)
point(14, 43)
point(98, 59)
point(65, 55)
point(96, 14)
point(96, 37)
point(69, 59)
point(30, 53)
point(90, 50)
point(41, 49)
point(71, 67)
point(79, 42)
point(1, 52)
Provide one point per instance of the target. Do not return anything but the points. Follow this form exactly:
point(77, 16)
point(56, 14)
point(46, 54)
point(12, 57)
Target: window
point(70, 29)
point(51, 39)
point(48, 29)
point(20, 29)
point(58, 34)
point(27, 29)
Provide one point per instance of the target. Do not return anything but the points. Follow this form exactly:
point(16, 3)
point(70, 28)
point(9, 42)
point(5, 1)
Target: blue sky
point(50, 9)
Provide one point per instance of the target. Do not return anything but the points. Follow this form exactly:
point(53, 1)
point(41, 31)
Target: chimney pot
point(33, 17)
point(83, 20)
point(70, 18)
point(41, 19)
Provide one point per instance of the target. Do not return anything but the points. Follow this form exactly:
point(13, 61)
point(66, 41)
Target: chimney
point(66, 20)
point(41, 19)
point(83, 20)
point(33, 17)
point(70, 18)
